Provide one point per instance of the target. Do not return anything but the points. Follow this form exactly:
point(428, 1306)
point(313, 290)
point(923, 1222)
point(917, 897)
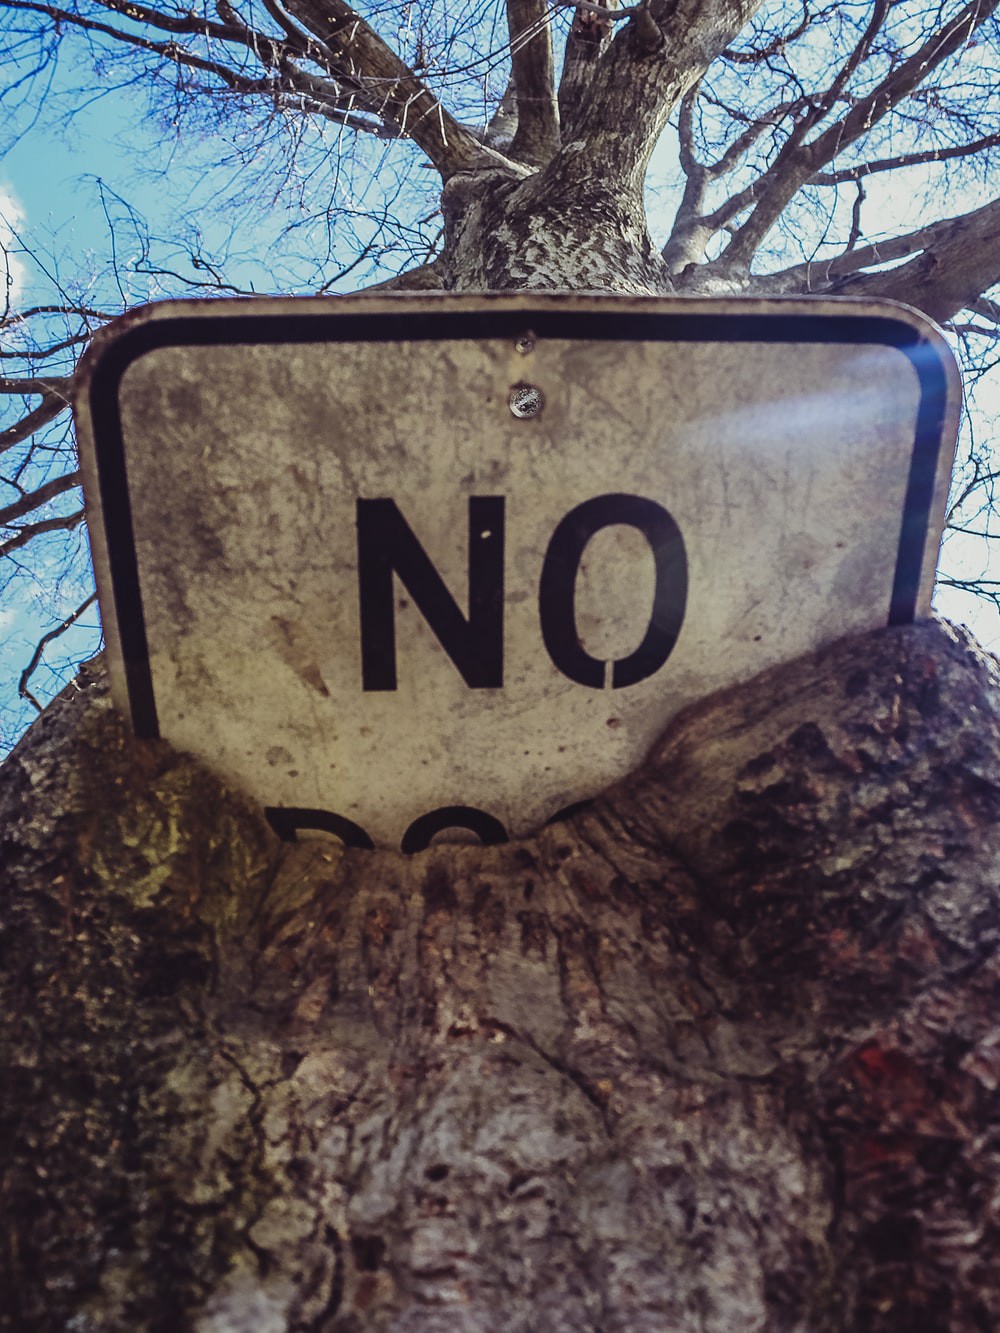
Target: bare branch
point(901, 82)
point(692, 230)
point(685, 133)
point(43, 643)
point(688, 235)
point(500, 131)
point(905, 160)
point(284, 21)
point(987, 309)
point(49, 408)
point(775, 47)
point(35, 499)
point(971, 330)
point(59, 385)
point(267, 49)
point(742, 144)
point(600, 11)
point(798, 161)
point(855, 233)
point(64, 522)
point(958, 259)
point(191, 24)
point(22, 316)
point(426, 278)
point(847, 70)
point(40, 353)
point(325, 98)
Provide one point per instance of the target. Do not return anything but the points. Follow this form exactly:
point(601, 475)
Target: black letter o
point(558, 585)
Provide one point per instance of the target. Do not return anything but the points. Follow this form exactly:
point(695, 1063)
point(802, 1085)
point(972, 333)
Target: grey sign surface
point(405, 565)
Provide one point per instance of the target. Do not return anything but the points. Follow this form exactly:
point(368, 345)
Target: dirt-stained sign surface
point(407, 567)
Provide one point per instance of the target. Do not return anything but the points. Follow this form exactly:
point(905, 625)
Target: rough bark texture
point(720, 1053)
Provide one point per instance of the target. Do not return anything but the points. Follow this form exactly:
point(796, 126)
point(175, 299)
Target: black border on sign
point(254, 329)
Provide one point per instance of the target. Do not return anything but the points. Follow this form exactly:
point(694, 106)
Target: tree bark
point(718, 1053)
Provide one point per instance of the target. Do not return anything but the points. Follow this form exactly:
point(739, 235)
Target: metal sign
point(403, 567)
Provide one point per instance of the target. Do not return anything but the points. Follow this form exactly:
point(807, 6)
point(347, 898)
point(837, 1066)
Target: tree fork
point(719, 1051)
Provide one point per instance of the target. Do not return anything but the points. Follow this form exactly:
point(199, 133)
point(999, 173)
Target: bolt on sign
point(406, 566)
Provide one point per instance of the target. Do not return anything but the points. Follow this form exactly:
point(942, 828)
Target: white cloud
point(13, 271)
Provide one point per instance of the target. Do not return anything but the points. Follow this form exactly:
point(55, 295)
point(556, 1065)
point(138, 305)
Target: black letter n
point(386, 545)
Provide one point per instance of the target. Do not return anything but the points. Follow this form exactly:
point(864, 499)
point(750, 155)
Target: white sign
point(406, 565)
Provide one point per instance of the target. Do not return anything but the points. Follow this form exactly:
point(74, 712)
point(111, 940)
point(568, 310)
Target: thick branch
point(948, 154)
point(537, 136)
point(692, 231)
point(499, 133)
point(59, 385)
point(959, 260)
point(392, 89)
point(689, 235)
point(424, 278)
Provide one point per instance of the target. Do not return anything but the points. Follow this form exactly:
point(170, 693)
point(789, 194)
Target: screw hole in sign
point(525, 400)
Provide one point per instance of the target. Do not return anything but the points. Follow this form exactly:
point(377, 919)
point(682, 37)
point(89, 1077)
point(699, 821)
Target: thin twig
point(42, 644)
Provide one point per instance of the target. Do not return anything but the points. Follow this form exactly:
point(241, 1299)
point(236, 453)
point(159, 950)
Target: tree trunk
point(718, 1053)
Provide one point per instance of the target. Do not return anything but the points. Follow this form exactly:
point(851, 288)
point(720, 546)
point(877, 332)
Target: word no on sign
point(406, 566)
